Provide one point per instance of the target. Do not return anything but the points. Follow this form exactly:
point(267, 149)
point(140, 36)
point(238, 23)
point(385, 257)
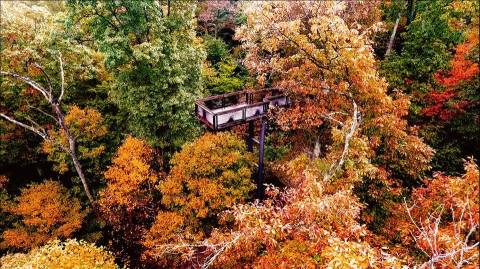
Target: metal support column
point(250, 136)
point(260, 187)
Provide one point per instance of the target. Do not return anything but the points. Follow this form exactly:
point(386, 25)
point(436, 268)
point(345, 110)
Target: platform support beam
point(261, 153)
point(250, 136)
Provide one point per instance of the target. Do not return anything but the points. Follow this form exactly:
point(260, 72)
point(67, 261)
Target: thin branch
point(355, 121)
point(414, 223)
point(106, 20)
point(46, 76)
point(44, 135)
point(62, 76)
point(30, 82)
point(329, 117)
point(430, 234)
point(43, 112)
point(219, 251)
point(214, 249)
point(35, 124)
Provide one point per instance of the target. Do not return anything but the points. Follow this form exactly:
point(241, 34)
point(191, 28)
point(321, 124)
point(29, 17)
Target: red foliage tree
point(450, 102)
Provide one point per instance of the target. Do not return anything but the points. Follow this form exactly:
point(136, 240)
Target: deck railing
point(226, 110)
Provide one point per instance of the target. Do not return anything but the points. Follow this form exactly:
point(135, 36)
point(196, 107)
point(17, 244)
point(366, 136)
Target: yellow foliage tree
point(46, 211)
point(208, 176)
point(56, 254)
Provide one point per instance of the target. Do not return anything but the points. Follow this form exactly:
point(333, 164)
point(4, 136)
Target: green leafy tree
point(432, 34)
point(221, 71)
point(155, 60)
point(425, 49)
point(40, 65)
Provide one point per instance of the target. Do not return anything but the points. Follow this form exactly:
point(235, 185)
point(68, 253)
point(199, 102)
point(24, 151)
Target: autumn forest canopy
point(373, 163)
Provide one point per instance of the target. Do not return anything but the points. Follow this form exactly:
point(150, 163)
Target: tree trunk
point(79, 170)
point(392, 37)
point(73, 153)
point(168, 8)
point(261, 154)
point(316, 149)
point(410, 11)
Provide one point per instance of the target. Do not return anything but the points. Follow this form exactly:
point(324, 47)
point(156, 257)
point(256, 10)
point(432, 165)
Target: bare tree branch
point(43, 112)
point(62, 76)
point(428, 231)
point(59, 120)
point(26, 126)
point(30, 82)
point(46, 76)
point(392, 37)
point(214, 250)
point(355, 121)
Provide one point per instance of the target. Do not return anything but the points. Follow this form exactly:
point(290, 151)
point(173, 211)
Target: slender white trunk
point(392, 37)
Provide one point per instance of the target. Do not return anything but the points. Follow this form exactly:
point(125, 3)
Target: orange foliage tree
point(130, 181)
point(45, 211)
point(309, 49)
point(127, 202)
point(326, 64)
point(303, 227)
point(209, 175)
point(56, 254)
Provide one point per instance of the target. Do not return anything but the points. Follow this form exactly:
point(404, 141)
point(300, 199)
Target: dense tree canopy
point(208, 176)
point(56, 254)
point(46, 211)
point(373, 162)
point(127, 202)
point(420, 66)
point(327, 70)
point(154, 58)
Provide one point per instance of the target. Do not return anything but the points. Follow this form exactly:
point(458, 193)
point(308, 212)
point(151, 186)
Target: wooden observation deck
point(223, 111)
